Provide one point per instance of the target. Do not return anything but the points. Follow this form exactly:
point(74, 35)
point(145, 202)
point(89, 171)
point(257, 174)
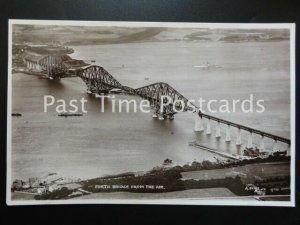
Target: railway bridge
point(99, 82)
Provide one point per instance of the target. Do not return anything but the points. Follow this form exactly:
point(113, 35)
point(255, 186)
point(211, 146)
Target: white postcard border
point(219, 201)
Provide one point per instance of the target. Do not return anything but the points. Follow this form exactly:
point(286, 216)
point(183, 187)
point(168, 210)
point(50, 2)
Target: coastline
point(176, 181)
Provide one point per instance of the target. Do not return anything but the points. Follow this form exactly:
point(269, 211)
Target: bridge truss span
point(164, 99)
point(98, 80)
point(53, 65)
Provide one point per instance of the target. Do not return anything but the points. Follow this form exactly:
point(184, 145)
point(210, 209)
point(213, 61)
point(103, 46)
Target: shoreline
point(164, 180)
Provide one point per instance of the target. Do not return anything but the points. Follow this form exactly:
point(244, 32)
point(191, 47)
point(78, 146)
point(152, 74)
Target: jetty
point(224, 154)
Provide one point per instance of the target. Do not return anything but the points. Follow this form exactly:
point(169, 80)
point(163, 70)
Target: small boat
point(70, 114)
point(16, 114)
point(93, 61)
point(206, 65)
point(203, 65)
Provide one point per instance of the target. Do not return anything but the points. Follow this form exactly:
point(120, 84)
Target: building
point(54, 187)
point(41, 190)
point(17, 184)
point(34, 182)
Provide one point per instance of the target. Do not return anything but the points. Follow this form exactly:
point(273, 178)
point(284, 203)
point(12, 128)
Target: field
point(248, 173)
point(195, 193)
point(21, 196)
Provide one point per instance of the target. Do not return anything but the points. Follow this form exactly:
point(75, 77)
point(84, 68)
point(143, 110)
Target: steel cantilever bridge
point(99, 81)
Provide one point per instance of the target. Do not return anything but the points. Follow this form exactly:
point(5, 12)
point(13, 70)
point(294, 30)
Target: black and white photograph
point(150, 113)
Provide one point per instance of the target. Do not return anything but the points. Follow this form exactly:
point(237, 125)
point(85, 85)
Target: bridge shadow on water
point(54, 85)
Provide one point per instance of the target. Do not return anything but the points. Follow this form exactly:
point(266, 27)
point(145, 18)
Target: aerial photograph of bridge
point(150, 113)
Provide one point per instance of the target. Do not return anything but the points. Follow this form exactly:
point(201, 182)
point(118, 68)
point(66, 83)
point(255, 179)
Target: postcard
point(150, 113)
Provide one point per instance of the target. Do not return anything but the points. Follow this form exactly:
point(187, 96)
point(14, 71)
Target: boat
point(70, 114)
point(207, 65)
point(16, 114)
point(203, 65)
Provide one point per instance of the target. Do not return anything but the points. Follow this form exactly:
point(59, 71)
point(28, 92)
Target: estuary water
point(101, 143)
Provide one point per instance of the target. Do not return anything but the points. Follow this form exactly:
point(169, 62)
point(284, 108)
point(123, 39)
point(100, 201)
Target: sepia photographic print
point(150, 113)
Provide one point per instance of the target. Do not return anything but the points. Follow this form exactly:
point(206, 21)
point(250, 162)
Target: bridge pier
point(262, 143)
point(239, 138)
point(156, 111)
point(275, 146)
point(198, 123)
point(89, 86)
point(161, 117)
point(288, 150)
point(218, 130)
point(208, 128)
point(228, 137)
point(171, 117)
point(250, 141)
